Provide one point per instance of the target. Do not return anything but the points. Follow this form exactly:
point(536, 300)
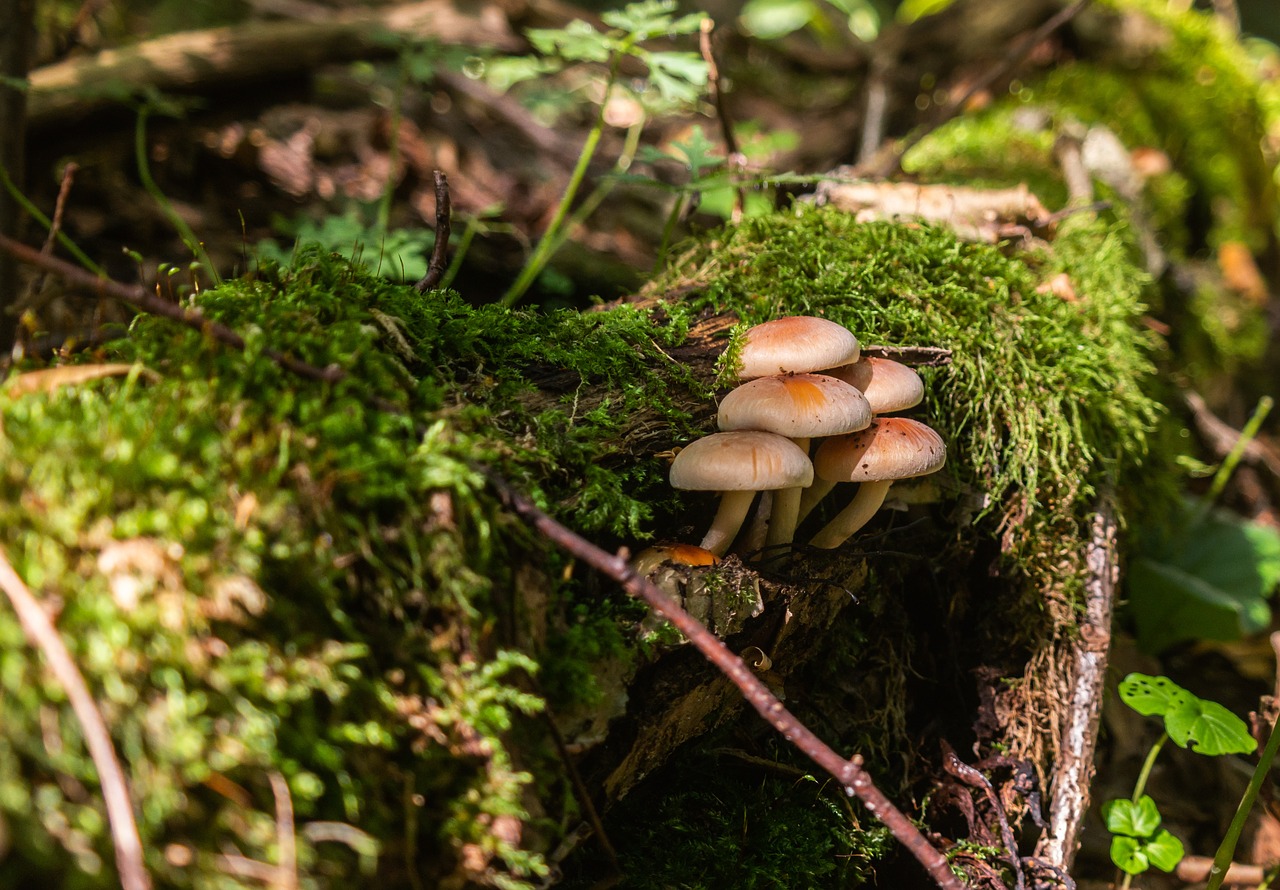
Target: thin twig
point(139, 297)
point(582, 795)
point(115, 791)
point(733, 157)
point(893, 162)
point(59, 208)
point(444, 226)
point(920, 356)
point(849, 773)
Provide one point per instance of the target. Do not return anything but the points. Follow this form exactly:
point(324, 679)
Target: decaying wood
point(975, 214)
point(1086, 676)
point(256, 51)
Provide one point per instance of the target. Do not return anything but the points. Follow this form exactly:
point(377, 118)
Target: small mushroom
point(650, 558)
point(795, 344)
point(738, 464)
point(891, 448)
point(798, 406)
point(888, 385)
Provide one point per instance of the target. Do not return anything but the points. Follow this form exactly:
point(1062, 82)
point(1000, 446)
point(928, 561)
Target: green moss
point(259, 573)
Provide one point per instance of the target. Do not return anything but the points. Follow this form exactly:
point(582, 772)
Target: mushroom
point(650, 559)
point(795, 344)
point(888, 385)
point(891, 448)
point(738, 464)
point(798, 406)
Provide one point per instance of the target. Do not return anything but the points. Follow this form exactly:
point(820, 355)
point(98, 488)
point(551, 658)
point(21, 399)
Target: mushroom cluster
point(804, 379)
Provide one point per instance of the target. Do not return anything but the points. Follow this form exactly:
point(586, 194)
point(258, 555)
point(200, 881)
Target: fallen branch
point(256, 51)
point(849, 773)
point(115, 791)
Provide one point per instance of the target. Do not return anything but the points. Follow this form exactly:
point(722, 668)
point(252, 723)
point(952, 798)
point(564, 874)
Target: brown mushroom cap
point(799, 406)
point(797, 343)
point(888, 385)
point(743, 460)
point(890, 448)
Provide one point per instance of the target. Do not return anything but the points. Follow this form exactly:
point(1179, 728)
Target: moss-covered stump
point(263, 575)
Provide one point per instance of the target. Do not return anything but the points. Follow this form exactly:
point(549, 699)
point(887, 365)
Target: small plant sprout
point(738, 464)
point(675, 79)
point(1138, 842)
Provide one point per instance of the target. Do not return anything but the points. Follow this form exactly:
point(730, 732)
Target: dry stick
point(138, 296)
point(849, 773)
point(440, 250)
point(733, 157)
point(115, 792)
point(893, 162)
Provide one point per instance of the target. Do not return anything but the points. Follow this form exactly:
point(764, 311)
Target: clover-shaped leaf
point(1134, 855)
point(1165, 851)
point(1202, 726)
point(1208, 728)
point(1125, 817)
point(1152, 696)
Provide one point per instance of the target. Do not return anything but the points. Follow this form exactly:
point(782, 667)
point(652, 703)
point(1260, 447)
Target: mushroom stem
point(732, 512)
point(812, 496)
point(786, 514)
point(853, 517)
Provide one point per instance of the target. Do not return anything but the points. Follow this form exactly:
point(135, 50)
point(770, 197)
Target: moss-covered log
point(265, 576)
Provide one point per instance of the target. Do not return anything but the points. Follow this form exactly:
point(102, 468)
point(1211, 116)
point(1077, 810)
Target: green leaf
point(1208, 728)
point(1210, 580)
point(678, 77)
point(1164, 851)
point(1131, 819)
point(651, 18)
point(1203, 726)
point(771, 19)
point(1153, 696)
point(1128, 855)
point(576, 41)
